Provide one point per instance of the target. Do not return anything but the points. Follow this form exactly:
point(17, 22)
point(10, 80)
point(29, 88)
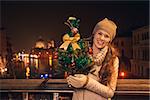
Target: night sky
point(25, 22)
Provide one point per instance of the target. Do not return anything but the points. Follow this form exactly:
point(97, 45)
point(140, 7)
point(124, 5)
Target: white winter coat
point(95, 90)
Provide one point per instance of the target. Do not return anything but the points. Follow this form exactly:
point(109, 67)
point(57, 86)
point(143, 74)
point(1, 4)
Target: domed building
point(40, 43)
point(41, 59)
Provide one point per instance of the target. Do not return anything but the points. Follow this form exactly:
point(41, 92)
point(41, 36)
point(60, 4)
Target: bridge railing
point(56, 86)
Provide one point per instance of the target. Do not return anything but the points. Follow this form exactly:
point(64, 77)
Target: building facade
point(3, 53)
point(124, 46)
point(140, 61)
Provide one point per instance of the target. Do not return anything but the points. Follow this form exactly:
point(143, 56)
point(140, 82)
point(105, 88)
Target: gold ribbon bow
point(73, 40)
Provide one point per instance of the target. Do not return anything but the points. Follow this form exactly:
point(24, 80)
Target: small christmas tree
point(73, 54)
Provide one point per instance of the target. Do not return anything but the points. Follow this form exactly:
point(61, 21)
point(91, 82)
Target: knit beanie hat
point(108, 26)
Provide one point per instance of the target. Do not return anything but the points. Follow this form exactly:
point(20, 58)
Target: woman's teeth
point(100, 42)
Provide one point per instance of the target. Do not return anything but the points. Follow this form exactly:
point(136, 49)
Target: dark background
point(25, 21)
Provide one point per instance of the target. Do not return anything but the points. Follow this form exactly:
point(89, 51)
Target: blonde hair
point(107, 65)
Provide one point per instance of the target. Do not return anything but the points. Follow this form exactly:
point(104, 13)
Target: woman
point(100, 83)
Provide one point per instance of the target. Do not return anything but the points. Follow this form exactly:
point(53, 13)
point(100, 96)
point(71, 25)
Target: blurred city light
point(122, 74)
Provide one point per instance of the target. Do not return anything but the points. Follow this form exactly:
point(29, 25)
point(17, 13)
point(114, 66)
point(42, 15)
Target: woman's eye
point(100, 33)
point(106, 36)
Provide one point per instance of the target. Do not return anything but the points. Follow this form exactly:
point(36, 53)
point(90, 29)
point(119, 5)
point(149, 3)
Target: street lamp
point(122, 74)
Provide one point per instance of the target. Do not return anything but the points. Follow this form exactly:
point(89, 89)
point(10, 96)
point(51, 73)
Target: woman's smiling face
point(101, 39)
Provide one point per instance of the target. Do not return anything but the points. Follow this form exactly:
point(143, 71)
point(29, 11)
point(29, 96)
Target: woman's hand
point(77, 81)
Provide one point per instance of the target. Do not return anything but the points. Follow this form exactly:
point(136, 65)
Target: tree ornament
point(90, 50)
